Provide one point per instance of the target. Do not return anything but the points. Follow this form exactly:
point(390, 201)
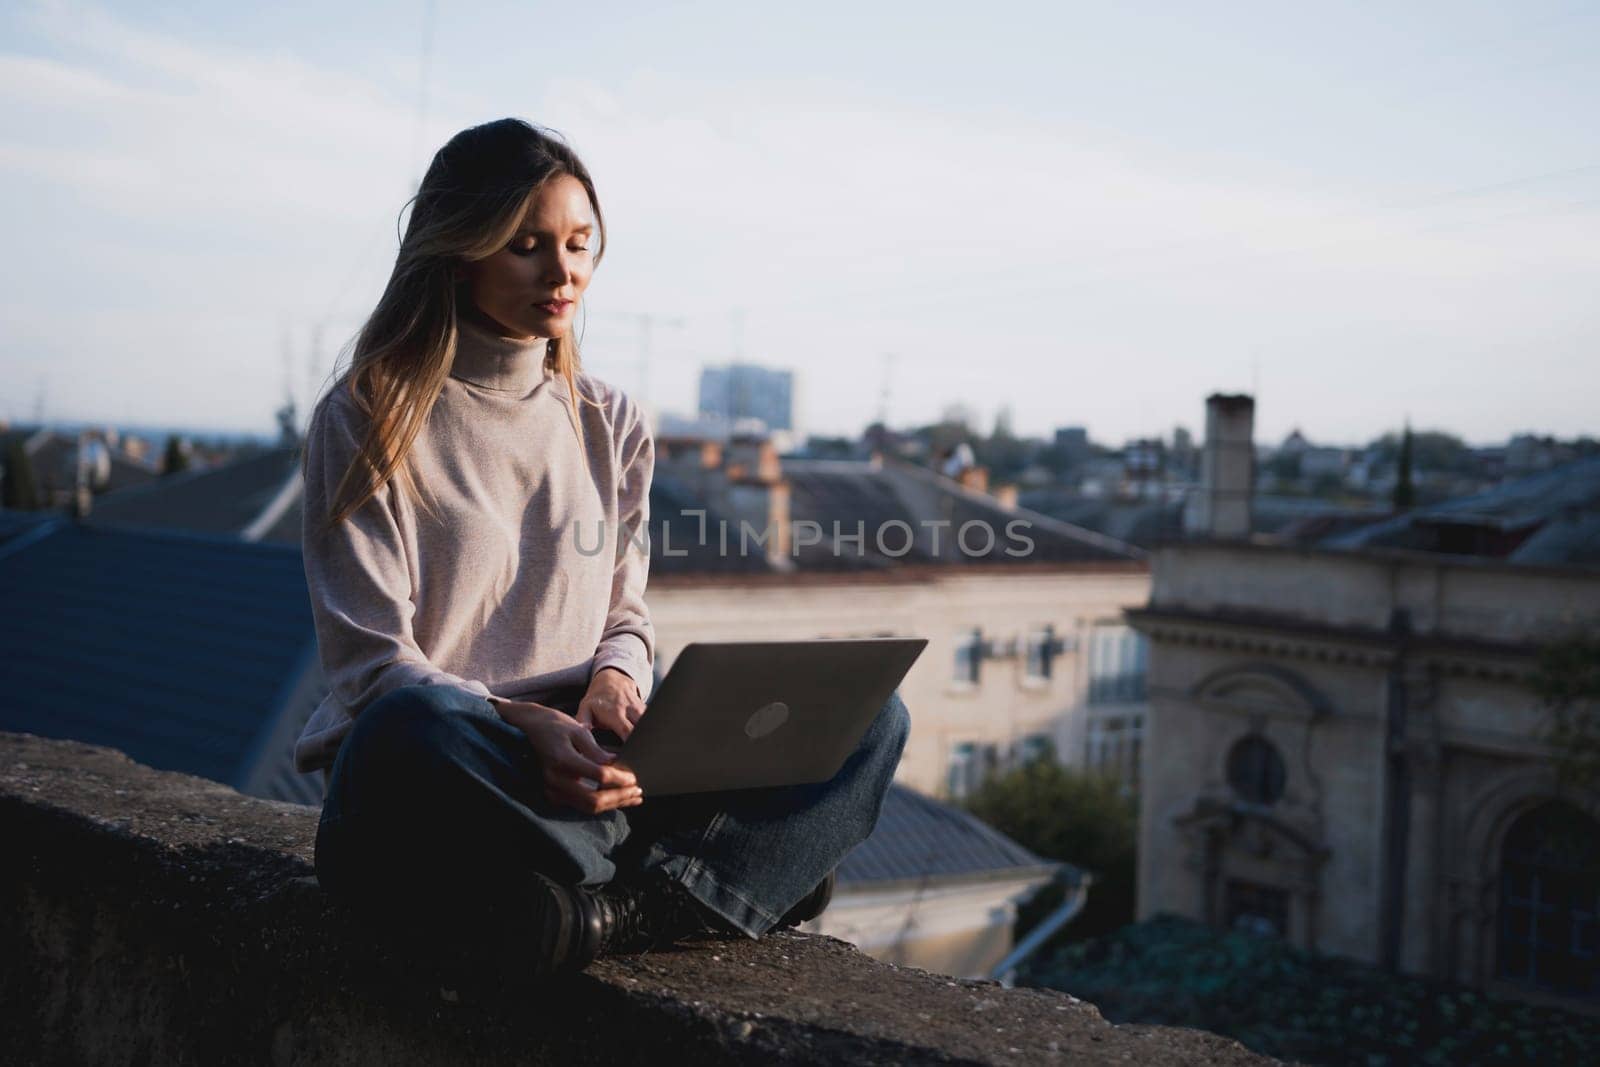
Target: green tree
point(1405, 491)
point(20, 488)
point(1431, 450)
point(176, 457)
point(1082, 819)
point(1568, 684)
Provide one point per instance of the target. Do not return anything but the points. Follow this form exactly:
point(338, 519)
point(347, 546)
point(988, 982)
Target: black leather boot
point(629, 917)
point(811, 905)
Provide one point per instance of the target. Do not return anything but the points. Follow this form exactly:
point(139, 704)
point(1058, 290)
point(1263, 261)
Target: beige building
point(1344, 749)
point(1027, 653)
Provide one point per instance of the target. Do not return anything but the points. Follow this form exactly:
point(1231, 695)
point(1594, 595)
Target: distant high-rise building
point(746, 391)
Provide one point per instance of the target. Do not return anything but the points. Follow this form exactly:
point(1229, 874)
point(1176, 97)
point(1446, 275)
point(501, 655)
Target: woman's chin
point(551, 326)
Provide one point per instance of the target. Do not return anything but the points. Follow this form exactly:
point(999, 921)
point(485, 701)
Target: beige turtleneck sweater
point(532, 576)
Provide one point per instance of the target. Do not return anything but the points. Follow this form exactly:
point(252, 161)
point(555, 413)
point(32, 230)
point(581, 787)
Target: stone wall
point(151, 917)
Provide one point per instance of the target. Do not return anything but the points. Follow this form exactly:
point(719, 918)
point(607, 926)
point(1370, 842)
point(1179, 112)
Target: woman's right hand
point(570, 758)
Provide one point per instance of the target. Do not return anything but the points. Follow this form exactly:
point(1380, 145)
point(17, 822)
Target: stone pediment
point(1256, 689)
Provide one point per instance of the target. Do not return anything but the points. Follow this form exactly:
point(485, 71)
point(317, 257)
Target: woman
point(471, 648)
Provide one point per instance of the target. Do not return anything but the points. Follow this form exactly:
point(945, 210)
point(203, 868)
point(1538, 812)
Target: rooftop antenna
point(883, 394)
point(647, 322)
point(738, 335)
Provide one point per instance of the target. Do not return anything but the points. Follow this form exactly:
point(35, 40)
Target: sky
point(1084, 214)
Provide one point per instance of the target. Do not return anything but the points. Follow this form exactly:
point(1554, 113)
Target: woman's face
point(531, 287)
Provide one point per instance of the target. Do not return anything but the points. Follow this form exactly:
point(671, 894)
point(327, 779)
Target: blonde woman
point(472, 649)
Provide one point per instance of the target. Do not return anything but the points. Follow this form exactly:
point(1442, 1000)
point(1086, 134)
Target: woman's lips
point(554, 307)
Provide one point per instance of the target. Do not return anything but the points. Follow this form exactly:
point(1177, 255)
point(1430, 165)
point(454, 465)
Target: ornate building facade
point(1344, 749)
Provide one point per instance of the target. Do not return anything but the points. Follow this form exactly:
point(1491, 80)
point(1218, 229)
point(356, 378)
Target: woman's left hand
point(612, 702)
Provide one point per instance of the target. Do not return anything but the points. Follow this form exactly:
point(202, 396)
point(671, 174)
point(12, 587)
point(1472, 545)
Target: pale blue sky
point(1092, 213)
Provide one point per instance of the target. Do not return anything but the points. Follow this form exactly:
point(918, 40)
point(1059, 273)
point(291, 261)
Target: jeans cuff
point(746, 916)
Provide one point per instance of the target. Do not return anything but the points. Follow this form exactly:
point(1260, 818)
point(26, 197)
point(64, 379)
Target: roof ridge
point(1065, 529)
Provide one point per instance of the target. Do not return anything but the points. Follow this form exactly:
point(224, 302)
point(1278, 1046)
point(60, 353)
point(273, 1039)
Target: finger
point(610, 799)
point(569, 793)
point(570, 765)
point(635, 713)
point(585, 715)
point(588, 748)
point(617, 778)
point(574, 767)
point(582, 796)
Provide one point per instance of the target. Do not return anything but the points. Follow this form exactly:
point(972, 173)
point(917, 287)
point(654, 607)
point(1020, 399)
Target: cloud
point(181, 190)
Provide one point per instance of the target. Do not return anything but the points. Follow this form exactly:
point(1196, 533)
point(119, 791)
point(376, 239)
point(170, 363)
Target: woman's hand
point(612, 702)
point(577, 771)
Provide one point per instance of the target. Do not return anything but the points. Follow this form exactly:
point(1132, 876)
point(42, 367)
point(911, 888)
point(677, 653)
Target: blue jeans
point(436, 808)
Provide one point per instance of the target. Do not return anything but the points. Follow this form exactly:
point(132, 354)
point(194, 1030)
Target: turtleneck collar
point(490, 360)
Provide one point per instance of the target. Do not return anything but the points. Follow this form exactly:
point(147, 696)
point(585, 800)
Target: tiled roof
point(673, 530)
point(920, 840)
point(174, 648)
point(895, 499)
point(13, 523)
point(220, 500)
point(1549, 518)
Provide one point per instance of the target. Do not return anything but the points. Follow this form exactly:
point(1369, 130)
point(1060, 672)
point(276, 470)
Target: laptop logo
point(766, 719)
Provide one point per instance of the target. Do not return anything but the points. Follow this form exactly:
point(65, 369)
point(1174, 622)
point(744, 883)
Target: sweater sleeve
point(628, 641)
point(358, 576)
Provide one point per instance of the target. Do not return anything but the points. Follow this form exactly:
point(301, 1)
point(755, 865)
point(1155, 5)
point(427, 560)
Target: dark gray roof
point(174, 648)
point(920, 840)
point(1146, 523)
point(13, 522)
point(868, 498)
point(674, 530)
point(1138, 522)
point(1549, 518)
point(219, 500)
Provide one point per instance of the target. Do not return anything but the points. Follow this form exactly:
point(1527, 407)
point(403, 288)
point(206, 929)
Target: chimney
point(752, 458)
point(764, 507)
point(974, 478)
point(756, 493)
point(1220, 508)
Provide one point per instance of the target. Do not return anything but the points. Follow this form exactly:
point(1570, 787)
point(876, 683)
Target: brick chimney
point(752, 457)
point(1220, 507)
point(974, 478)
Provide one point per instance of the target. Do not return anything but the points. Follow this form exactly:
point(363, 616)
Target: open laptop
point(752, 714)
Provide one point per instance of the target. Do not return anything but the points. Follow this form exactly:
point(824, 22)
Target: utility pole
point(647, 322)
point(883, 394)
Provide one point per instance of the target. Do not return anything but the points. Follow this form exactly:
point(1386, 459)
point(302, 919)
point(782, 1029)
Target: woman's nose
point(560, 269)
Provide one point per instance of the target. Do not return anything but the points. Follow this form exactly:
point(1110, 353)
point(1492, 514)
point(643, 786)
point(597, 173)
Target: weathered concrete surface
point(156, 918)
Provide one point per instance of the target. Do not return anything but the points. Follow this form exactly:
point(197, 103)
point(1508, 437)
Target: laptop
point(754, 714)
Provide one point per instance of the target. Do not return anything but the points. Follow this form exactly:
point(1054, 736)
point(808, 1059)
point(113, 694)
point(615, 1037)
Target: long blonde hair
point(469, 205)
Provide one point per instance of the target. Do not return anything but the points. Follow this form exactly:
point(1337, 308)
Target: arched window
point(1549, 899)
point(1255, 770)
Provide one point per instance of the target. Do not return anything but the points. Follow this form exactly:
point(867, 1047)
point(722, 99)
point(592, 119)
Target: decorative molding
point(1232, 637)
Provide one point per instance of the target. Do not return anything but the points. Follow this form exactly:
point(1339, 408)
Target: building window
point(1114, 747)
point(969, 656)
point(1117, 659)
point(1042, 649)
point(1256, 909)
point(970, 765)
point(1549, 900)
point(1034, 748)
point(1255, 770)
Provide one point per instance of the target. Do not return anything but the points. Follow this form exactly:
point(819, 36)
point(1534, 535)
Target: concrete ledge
point(152, 917)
